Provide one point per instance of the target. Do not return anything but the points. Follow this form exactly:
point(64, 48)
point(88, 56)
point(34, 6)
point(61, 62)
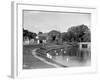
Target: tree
point(32, 35)
point(29, 35)
point(65, 36)
point(40, 33)
point(25, 34)
point(87, 37)
point(79, 33)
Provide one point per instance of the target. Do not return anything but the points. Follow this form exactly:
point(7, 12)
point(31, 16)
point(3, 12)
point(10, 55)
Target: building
point(42, 38)
point(86, 48)
point(84, 45)
point(54, 37)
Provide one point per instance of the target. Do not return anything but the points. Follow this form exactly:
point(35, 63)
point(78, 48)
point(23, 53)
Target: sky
point(42, 21)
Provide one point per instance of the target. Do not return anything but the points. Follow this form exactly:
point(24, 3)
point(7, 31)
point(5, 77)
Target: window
point(54, 38)
point(84, 46)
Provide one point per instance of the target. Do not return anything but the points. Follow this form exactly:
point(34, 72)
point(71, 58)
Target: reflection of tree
point(79, 33)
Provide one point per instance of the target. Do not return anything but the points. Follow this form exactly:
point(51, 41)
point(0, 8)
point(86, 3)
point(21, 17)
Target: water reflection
point(83, 58)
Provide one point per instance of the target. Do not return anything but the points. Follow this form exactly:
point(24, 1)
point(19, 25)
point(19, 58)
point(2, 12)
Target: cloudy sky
point(36, 21)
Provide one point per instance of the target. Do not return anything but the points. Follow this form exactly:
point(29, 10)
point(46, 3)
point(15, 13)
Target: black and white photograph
point(56, 39)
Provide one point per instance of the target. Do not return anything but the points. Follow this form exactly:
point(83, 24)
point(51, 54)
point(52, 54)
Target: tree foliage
point(79, 33)
point(40, 33)
point(29, 35)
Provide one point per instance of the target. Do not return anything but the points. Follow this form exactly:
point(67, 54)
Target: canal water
point(72, 61)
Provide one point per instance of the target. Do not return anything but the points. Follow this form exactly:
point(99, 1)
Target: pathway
point(44, 60)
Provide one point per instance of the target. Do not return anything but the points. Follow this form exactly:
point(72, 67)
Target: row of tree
point(28, 35)
point(80, 33)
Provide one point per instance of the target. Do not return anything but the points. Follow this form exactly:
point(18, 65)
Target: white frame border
point(16, 69)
